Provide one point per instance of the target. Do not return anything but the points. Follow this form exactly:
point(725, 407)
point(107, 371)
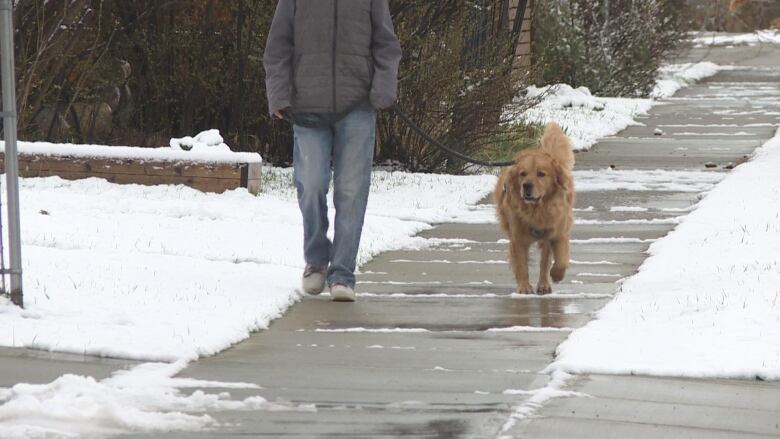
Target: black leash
point(416, 128)
point(310, 120)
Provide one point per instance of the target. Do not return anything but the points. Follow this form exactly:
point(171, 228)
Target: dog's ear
point(502, 186)
point(511, 182)
point(562, 177)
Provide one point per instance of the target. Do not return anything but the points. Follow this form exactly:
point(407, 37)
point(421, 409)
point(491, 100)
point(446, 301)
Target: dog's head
point(536, 176)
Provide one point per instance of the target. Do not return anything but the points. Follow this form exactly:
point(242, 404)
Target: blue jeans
point(350, 143)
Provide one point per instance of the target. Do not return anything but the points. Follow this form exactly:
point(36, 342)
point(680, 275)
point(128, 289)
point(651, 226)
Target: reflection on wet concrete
point(447, 314)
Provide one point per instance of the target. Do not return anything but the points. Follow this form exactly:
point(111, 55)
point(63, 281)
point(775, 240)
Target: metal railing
point(8, 79)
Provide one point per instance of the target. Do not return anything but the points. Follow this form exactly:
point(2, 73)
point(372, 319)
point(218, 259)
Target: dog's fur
point(534, 199)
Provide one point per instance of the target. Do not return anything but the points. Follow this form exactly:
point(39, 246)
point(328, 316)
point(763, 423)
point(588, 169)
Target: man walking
point(330, 64)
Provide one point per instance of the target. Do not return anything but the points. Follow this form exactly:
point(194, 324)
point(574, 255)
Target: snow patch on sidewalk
point(537, 398)
point(615, 180)
point(706, 303)
point(646, 180)
point(143, 399)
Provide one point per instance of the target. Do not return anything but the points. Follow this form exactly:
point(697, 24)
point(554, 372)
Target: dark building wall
point(526, 37)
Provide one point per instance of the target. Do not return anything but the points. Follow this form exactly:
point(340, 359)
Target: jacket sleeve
point(278, 57)
point(386, 51)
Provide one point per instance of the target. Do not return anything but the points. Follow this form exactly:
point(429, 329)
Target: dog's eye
point(523, 174)
point(541, 174)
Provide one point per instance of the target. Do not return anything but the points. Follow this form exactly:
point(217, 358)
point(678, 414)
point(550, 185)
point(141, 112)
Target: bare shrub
point(63, 70)
point(457, 80)
point(613, 47)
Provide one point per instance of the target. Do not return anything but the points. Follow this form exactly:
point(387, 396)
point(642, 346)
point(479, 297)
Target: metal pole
point(11, 161)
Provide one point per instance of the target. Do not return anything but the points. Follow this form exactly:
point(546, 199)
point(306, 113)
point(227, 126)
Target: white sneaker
point(313, 281)
point(342, 293)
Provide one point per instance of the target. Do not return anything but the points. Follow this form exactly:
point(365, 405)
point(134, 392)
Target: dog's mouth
point(530, 199)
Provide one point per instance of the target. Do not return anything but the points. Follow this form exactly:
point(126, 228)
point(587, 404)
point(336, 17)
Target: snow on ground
point(169, 274)
point(587, 118)
point(701, 39)
point(712, 282)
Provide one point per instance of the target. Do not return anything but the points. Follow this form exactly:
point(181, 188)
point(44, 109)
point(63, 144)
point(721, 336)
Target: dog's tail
point(556, 143)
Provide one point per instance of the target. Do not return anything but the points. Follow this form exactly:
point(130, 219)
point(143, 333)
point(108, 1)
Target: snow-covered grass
point(587, 118)
point(770, 36)
point(707, 302)
point(170, 274)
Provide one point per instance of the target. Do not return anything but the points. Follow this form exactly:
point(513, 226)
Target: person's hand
point(279, 114)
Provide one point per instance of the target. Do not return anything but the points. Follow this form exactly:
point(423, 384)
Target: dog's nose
point(528, 188)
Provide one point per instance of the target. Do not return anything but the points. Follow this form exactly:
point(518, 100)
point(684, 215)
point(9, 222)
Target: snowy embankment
point(707, 302)
point(587, 118)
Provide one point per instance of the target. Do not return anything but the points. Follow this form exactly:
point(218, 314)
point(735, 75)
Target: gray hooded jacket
point(329, 56)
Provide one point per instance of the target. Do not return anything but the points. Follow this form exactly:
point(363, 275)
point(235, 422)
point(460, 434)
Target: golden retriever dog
point(534, 201)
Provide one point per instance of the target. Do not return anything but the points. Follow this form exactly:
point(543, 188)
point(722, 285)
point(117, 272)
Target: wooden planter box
point(147, 166)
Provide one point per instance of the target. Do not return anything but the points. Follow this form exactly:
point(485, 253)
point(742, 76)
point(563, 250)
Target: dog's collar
point(539, 233)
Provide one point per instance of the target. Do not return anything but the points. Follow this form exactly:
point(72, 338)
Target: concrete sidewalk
point(446, 375)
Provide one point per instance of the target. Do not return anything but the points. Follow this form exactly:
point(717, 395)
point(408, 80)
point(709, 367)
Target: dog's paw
point(525, 289)
point(543, 289)
point(558, 272)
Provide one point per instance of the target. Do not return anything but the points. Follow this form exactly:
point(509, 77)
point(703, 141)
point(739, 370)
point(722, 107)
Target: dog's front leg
point(562, 253)
point(519, 255)
point(544, 286)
